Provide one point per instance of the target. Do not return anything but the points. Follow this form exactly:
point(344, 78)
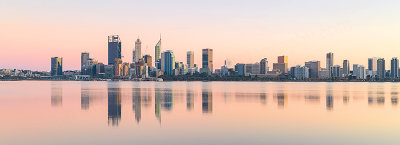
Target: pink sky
point(33, 32)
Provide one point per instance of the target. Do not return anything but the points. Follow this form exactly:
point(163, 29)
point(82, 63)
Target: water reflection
point(206, 97)
point(137, 103)
point(56, 94)
point(329, 98)
point(114, 106)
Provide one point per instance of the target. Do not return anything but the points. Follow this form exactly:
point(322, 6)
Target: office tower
point(346, 68)
point(84, 59)
point(283, 59)
point(240, 69)
point(329, 60)
point(228, 63)
point(314, 68)
point(114, 48)
point(190, 59)
point(168, 62)
point(264, 66)
point(394, 68)
point(157, 55)
point(207, 62)
point(359, 71)
point(138, 50)
point(148, 60)
point(372, 67)
point(282, 65)
point(134, 56)
point(118, 67)
point(56, 66)
point(380, 65)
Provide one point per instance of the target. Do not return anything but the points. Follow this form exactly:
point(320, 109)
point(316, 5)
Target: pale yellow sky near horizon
point(33, 32)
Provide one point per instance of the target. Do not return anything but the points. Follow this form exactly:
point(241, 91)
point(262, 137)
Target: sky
point(243, 31)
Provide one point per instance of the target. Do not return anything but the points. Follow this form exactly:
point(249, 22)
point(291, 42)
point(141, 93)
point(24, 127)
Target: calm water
point(45, 112)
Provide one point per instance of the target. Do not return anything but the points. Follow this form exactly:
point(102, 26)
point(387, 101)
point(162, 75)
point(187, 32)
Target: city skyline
point(262, 29)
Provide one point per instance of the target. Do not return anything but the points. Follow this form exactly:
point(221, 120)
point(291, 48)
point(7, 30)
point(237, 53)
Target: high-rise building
point(283, 59)
point(329, 60)
point(207, 62)
point(358, 71)
point(134, 56)
point(84, 59)
point(264, 66)
point(118, 67)
point(394, 68)
point(138, 50)
point(301, 73)
point(148, 60)
point(157, 55)
point(114, 48)
point(372, 67)
point(168, 62)
point(380, 64)
point(346, 68)
point(335, 71)
point(282, 65)
point(190, 59)
point(314, 68)
point(56, 66)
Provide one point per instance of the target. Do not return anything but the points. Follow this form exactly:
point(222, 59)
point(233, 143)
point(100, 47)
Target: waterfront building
point(314, 68)
point(359, 71)
point(380, 65)
point(148, 60)
point(334, 72)
point(394, 68)
point(190, 59)
point(346, 68)
point(207, 60)
point(372, 67)
point(300, 73)
point(168, 62)
point(138, 50)
point(157, 55)
point(324, 74)
point(329, 60)
point(264, 66)
point(240, 69)
point(56, 66)
point(282, 65)
point(114, 48)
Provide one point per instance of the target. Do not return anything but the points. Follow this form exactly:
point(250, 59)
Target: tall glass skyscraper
point(168, 62)
point(394, 68)
point(207, 60)
point(329, 60)
point(56, 66)
point(114, 48)
point(190, 59)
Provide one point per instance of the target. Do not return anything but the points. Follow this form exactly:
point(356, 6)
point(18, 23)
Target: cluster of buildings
point(163, 63)
point(143, 66)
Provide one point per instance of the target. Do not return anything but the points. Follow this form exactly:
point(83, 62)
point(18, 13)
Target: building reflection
point(157, 103)
point(189, 99)
point(329, 98)
point(114, 106)
point(206, 97)
point(346, 97)
point(85, 97)
point(281, 98)
point(394, 96)
point(56, 94)
point(167, 99)
point(137, 103)
point(376, 95)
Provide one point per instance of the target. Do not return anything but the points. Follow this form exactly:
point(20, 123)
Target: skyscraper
point(394, 68)
point(56, 66)
point(138, 50)
point(380, 64)
point(158, 50)
point(133, 56)
point(114, 48)
point(84, 58)
point(372, 67)
point(207, 62)
point(148, 60)
point(168, 62)
point(314, 68)
point(282, 65)
point(264, 66)
point(329, 60)
point(190, 59)
point(346, 68)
